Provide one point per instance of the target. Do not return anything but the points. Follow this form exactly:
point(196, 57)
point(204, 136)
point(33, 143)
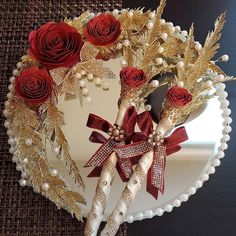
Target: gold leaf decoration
point(25, 123)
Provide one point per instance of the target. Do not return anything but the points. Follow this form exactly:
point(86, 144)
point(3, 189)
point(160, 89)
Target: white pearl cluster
point(222, 95)
point(82, 76)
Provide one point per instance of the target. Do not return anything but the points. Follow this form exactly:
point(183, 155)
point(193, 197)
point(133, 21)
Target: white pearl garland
point(126, 43)
point(98, 81)
point(23, 182)
point(161, 49)
point(225, 57)
point(123, 63)
point(164, 36)
point(45, 186)
point(29, 141)
point(54, 172)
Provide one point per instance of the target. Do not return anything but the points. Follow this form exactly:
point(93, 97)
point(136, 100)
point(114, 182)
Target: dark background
point(212, 211)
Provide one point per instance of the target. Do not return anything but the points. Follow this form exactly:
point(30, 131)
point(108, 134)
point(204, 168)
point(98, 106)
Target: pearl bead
point(150, 25)
point(226, 138)
point(9, 95)
point(152, 15)
point(115, 12)
point(9, 132)
point(16, 72)
point(161, 49)
point(19, 65)
point(10, 87)
point(57, 150)
point(184, 33)
point(124, 63)
point(130, 14)
point(90, 77)
point(78, 75)
point(54, 172)
point(25, 160)
point(119, 46)
point(98, 81)
point(162, 21)
point(105, 86)
point(24, 174)
point(223, 146)
point(88, 99)
point(148, 107)
point(159, 61)
point(211, 170)
point(159, 212)
point(198, 46)
point(228, 120)
point(177, 28)
point(164, 36)
point(198, 183)
point(85, 91)
point(83, 72)
point(225, 57)
point(209, 84)
point(12, 150)
point(18, 167)
point(180, 84)
point(168, 208)
point(227, 129)
point(183, 197)
point(220, 154)
point(92, 15)
point(177, 203)
point(6, 103)
point(130, 219)
point(154, 83)
point(180, 64)
point(192, 190)
point(5, 112)
point(6, 124)
point(172, 29)
point(29, 141)
point(14, 159)
point(205, 177)
point(82, 83)
point(139, 216)
point(123, 11)
point(126, 43)
point(45, 186)
point(217, 162)
point(148, 214)
point(11, 141)
point(23, 182)
point(12, 79)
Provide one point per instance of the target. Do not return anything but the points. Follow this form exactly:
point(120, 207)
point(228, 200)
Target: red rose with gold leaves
point(34, 85)
point(178, 96)
point(55, 45)
point(103, 30)
point(133, 77)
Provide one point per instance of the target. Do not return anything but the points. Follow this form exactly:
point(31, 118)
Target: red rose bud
point(34, 85)
point(177, 96)
point(55, 45)
point(133, 77)
point(103, 30)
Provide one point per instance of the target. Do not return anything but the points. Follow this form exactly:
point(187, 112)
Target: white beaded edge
point(150, 213)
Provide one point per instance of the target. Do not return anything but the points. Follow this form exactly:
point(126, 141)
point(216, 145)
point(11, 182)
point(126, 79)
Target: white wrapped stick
point(96, 213)
point(134, 185)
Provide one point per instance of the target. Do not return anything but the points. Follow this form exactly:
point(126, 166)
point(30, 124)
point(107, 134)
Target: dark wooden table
point(212, 211)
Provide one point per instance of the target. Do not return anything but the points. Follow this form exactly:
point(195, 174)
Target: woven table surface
point(23, 212)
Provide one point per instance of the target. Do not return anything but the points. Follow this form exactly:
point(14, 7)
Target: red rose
point(55, 45)
point(34, 85)
point(102, 30)
point(133, 77)
point(178, 96)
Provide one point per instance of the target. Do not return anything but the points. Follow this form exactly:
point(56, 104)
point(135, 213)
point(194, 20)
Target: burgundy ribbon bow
point(124, 166)
point(156, 173)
